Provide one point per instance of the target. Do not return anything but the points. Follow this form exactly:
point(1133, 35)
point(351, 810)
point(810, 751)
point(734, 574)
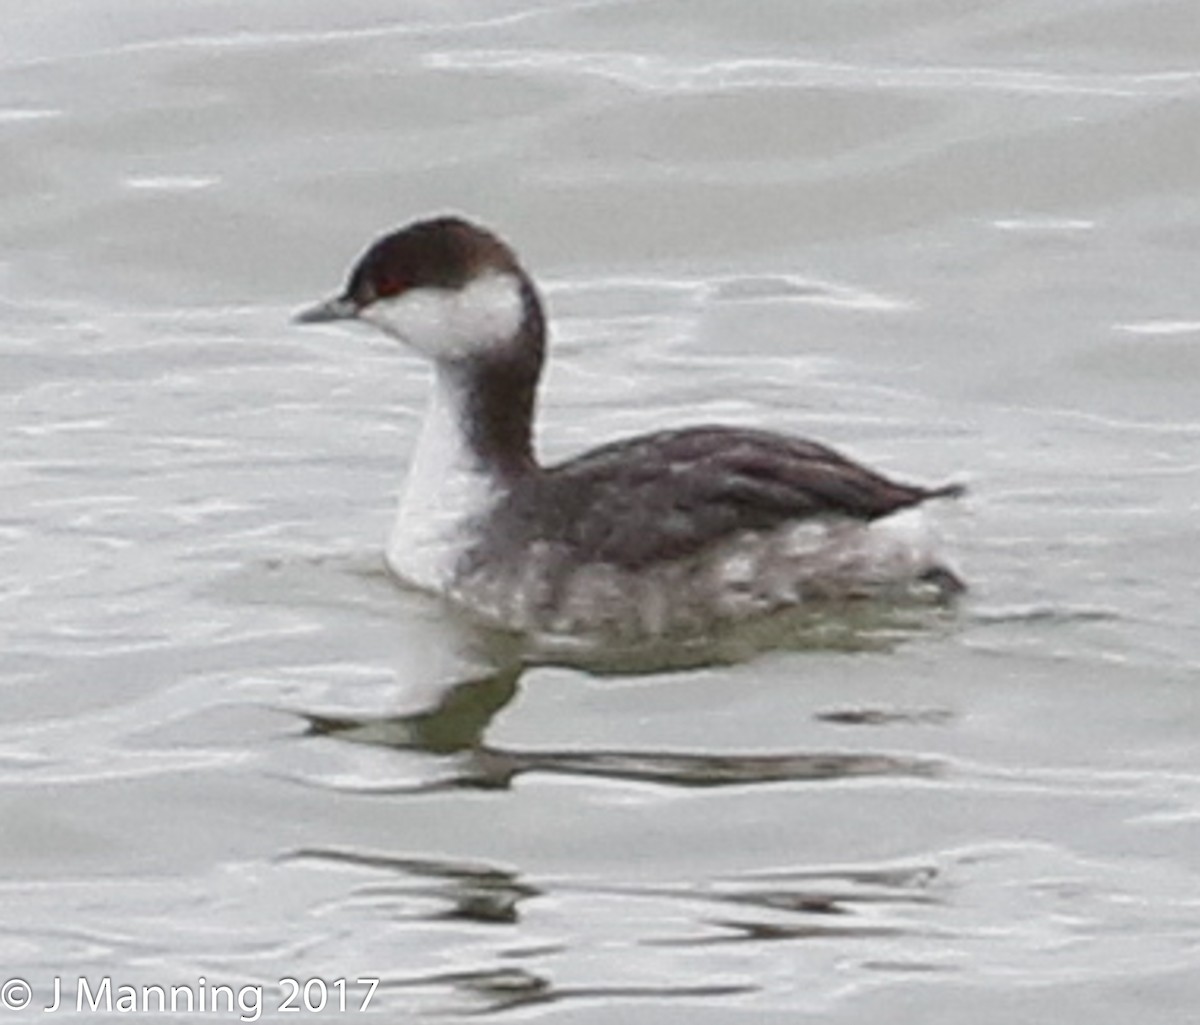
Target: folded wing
point(667, 495)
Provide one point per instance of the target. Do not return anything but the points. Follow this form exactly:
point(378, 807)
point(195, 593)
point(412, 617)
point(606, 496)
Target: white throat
point(444, 492)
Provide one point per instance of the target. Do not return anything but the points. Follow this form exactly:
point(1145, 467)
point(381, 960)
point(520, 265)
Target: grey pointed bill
point(337, 308)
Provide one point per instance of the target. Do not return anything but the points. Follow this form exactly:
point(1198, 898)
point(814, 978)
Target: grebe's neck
point(488, 398)
point(457, 472)
point(476, 440)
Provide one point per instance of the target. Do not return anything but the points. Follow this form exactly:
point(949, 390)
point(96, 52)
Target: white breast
point(443, 496)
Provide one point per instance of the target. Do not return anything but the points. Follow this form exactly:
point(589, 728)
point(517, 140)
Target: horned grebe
point(670, 532)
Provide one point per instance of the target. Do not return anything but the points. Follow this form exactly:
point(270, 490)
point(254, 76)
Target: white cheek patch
point(449, 324)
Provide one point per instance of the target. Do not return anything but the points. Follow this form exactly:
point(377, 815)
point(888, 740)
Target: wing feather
point(666, 495)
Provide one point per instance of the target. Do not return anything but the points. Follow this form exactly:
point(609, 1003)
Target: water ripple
point(661, 74)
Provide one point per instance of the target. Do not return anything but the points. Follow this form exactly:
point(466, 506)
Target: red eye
point(387, 285)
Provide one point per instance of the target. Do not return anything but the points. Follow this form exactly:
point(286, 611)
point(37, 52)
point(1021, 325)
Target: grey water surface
point(956, 239)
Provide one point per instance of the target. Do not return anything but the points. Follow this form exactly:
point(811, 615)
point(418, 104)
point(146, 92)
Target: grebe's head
point(444, 287)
